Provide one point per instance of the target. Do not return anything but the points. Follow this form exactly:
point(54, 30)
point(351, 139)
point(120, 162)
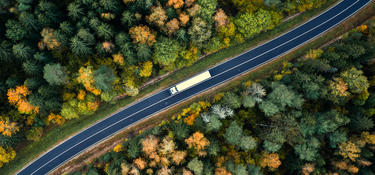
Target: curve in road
point(221, 73)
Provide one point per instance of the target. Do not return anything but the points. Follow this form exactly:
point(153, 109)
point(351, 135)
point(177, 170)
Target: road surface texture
point(160, 101)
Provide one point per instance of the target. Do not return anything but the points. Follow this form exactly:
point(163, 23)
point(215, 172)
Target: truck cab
point(173, 90)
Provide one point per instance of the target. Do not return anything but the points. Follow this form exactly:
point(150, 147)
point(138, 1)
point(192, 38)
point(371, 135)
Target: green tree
point(31, 67)
point(208, 8)
point(231, 100)
point(75, 11)
point(249, 24)
point(80, 47)
point(248, 101)
point(105, 31)
point(233, 134)
point(180, 130)
point(196, 166)
point(274, 140)
point(144, 52)
point(68, 111)
point(269, 108)
point(128, 19)
point(55, 74)
point(14, 30)
point(166, 51)
point(309, 150)
point(104, 78)
point(337, 137)
point(199, 31)
point(330, 121)
point(22, 51)
point(282, 96)
point(214, 123)
point(355, 80)
point(247, 143)
point(240, 169)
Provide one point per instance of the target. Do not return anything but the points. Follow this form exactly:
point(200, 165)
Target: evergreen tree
point(231, 100)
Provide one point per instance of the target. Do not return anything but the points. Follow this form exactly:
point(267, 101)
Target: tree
point(55, 74)
point(150, 144)
point(248, 101)
point(199, 31)
point(86, 77)
point(31, 67)
point(8, 128)
point(337, 138)
point(173, 26)
point(144, 52)
point(208, 8)
point(282, 96)
point(197, 141)
point(274, 140)
point(166, 51)
point(240, 169)
point(269, 108)
point(75, 11)
point(128, 19)
point(214, 124)
point(231, 100)
point(178, 157)
point(330, 121)
point(257, 91)
point(105, 31)
point(146, 69)
point(49, 39)
point(180, 130)
point(249, 24)
point(157, 17)
point(270, 160)
point(22, 51)
point(349, 150)
point(221, 18)
point(247, 143)
point(6, 155)
point(233, 133)
point(68, 112)
point(104, 78)
point(79, 47)
point(14, 30)
point(309, 150)
point(142, 34)
point(133, 148)
point(355, 80)
point(196, 166)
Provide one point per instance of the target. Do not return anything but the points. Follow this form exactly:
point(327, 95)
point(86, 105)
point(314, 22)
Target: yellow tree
point(149, 144)
point(18, 97)
point(48, 39)
point(6, 155)
point(56, 119)
point(8, 128)
point(118, 148)
point(86, 78)
point(349, 150)
point(146, 69)
point(184, 18)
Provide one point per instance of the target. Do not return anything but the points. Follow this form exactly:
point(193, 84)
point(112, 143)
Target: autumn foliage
point(197, 141)
point(142, 34)
point(18, 97)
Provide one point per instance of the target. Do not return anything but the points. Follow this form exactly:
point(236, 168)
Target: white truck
point(190, 82)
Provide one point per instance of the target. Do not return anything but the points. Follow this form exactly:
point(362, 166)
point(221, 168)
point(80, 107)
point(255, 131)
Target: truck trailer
point(190, 82)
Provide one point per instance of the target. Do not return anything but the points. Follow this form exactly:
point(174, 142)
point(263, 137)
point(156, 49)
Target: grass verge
point(55, 135)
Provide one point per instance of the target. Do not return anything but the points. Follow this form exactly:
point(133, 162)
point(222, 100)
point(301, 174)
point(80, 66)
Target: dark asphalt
point(220, 74)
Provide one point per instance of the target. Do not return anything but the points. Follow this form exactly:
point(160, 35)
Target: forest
point(62, 59)
point(315, 115)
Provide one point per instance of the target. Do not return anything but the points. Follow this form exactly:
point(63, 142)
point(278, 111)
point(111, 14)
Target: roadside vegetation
point(62, 61)
point(315, 115)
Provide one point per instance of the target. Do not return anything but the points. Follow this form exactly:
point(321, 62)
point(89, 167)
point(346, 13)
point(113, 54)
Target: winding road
point(162, 100)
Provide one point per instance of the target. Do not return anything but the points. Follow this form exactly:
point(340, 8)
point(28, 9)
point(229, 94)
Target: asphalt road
point(220, 74)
